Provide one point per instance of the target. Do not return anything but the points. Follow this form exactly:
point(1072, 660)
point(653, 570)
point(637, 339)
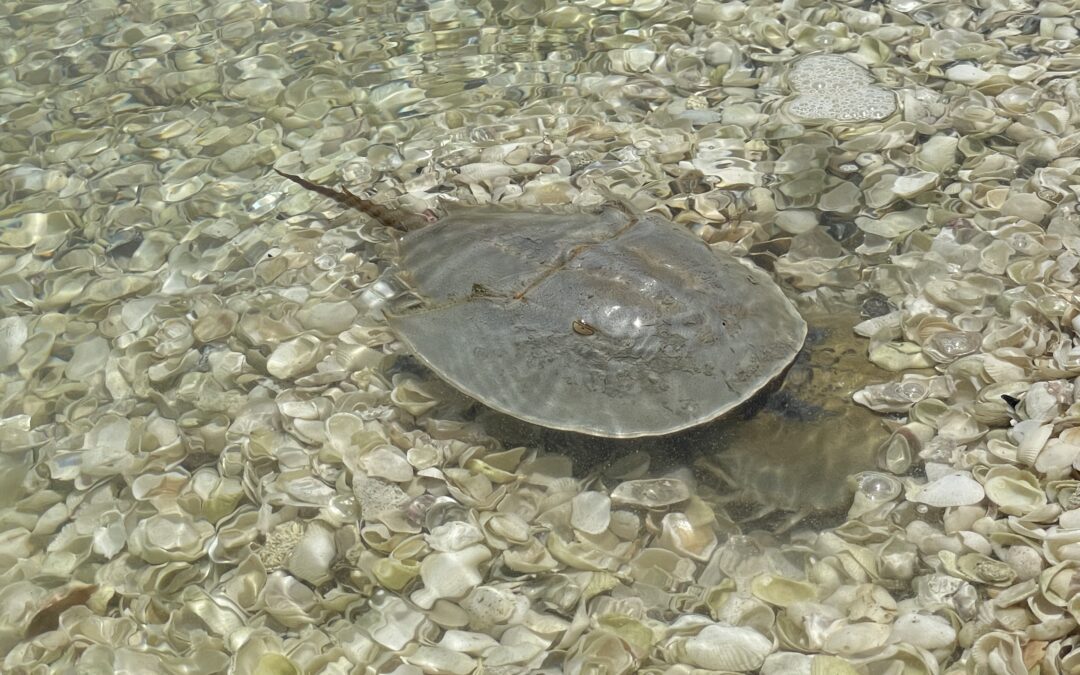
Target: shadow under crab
point(782, 459)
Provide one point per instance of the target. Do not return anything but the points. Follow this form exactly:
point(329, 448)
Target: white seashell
point(911, 184)
point(313, 555)
point(730, 648)
point(1031, 438)
point(590, 512)
point(787, 663)
point(388, 463)
point(1015, 491)
point(450, 575)
point(328, 318)
point(439, 660)
point(1070, 520)
point(391, 622)
point(685, 537)
point(1062, 546)
point(954, 489)
point(167, 537)
point(853, 639)
point(454, 536)
point(1057, 458)
point(468, 642)
point(13, 334)
point(293, 357)
point(491, 605)
point(966, 73)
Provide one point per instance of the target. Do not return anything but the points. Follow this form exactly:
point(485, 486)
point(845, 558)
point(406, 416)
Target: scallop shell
point(727, 648)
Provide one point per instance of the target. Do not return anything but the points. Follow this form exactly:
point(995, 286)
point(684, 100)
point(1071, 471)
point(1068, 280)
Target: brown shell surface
point(604, 324)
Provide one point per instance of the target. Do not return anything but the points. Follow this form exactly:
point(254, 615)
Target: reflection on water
point(215, 456)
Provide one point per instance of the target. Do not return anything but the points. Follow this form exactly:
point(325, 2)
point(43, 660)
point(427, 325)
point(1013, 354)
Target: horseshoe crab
point(609, 324)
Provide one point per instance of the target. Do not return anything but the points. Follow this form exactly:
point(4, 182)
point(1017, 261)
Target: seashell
point(1031, 437)
point(781, 591)
point(289, 601)
point(898, 452)
point(386, 463)
point(893, 396)
point(488, 606)
point(1062, 545)
point(832, 87)
point(502, 530)
point(590, 512)
point(1001, 649)
point(467, 642)
point(313, 555)
point(599, 647)
point(293, 358)
point(823, 664)
point(391, 623)
point(13, 336)
point(454, 536)
point(695, 538)
point(727, 648)
point(868, 602)
point(1015, 491)
point(377, 497)
point(530, 558)
point(854, 639)
point(450, 575)
point(978, 568)
point(166, 537)
point(431, 659)
point(957, 488)
point(657, 493)
point(394, 574)
point(792, 663)
point(947, 346)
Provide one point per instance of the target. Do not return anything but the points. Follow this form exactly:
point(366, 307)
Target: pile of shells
point(215, 457)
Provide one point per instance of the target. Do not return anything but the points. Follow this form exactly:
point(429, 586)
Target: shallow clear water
point(216, 457)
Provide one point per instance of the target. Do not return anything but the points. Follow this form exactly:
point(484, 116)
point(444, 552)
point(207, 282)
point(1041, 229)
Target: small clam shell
point(926, 631)
point(293, 357)
point(1015, 491)
point(781, 591)
point(823, 664)
point(728, 648)
point(853, 639)
point(387, 463)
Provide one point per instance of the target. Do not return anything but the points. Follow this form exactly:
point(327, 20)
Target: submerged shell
point(603, 324)
point(728, 648)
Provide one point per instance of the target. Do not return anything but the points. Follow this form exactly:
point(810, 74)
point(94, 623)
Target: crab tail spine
point(388, 217)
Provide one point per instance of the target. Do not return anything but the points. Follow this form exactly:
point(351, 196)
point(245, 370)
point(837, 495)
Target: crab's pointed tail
point(388, 217)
